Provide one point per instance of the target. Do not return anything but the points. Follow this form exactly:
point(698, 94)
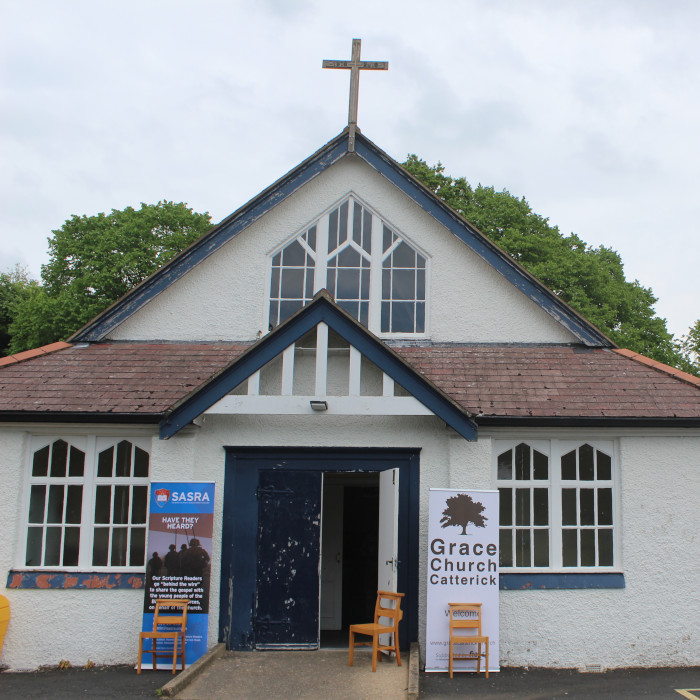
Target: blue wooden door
point(288, 586)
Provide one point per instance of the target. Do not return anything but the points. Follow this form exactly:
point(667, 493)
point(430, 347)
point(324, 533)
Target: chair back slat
point(382, 609)
point(465, 616)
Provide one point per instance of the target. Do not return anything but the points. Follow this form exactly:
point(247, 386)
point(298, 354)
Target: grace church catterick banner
point(462, 568)
point(180, 529)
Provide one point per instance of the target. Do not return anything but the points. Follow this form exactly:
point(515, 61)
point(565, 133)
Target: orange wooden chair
point(175, 624)
point(382, 610)
point(467, 616)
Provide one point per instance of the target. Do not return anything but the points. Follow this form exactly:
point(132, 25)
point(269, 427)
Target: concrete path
point(318, 675)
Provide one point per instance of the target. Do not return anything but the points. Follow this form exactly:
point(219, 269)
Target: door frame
point(240, 519)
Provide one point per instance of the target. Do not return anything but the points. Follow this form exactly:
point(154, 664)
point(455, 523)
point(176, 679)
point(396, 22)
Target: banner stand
point(180, 530)
point(462, 568)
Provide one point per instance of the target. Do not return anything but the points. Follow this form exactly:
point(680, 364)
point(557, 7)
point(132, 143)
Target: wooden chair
point(176, 623)
point(373, 629)
point(467, 616)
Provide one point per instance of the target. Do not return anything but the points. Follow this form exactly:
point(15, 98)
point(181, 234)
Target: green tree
point(94, 260)
point(689, 347)
point(590, 279)
point(15, 287)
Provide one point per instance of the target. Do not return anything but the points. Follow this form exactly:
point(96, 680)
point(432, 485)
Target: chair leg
point(175, 640)
point(487, 660)
point(138, 669)
point(396, 647)
point(352, 648)
point(451, 658)
point(375, 651)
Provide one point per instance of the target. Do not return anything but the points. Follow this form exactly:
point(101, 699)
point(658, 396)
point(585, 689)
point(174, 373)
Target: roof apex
point(333, 151)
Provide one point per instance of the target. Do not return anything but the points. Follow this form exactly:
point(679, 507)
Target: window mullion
point(87, 512)
point(320, 273)
point(375, 276)
point(555, 494)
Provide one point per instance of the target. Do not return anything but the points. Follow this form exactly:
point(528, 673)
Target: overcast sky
point(590, 110)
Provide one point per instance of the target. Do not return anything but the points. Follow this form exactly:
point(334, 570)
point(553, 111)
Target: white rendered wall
point(223, 298)
point(654, 620)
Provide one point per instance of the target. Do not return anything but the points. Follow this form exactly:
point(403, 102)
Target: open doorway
point(349, 550)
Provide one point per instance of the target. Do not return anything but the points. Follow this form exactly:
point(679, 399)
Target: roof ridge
point(667, 369)
point(35, 352)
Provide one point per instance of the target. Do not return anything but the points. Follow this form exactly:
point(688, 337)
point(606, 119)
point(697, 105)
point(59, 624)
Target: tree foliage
point(462, 510)
point(15, 287)
point(94, 260)
point(590, 279)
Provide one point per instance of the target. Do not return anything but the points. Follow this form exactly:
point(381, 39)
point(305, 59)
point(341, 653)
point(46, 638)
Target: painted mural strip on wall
point(462, 568)
point(180, 529)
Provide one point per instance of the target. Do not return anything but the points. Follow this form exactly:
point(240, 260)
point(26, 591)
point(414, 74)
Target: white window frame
point(91, 445)
point(555, 449)
point(376, 260)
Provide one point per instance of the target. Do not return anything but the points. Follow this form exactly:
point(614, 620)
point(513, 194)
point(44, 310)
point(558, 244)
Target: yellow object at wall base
point(4, 618)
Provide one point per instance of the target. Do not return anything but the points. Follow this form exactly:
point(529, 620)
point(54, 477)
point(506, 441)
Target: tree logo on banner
point(462, 510)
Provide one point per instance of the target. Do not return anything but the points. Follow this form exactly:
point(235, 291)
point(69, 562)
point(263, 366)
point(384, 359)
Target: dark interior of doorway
point(360, 550)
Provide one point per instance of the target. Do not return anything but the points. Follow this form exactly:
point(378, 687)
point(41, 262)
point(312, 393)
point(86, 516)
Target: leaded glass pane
point(522, 506)
point(505, 548)
point(605, 547)
point(71, 546)
point(123, 465)
point(522, 548)
point(541, 506)
point(568, 507)
point(569, 546)
point(121, 505)
point(505, 506)
point(585, 463)
point(605, 507)
point(505, 465)
point(541, 465)
point(604, 466)
point(74, 504)
point(33, 553)
point(586, 497)
point(54, 513)
point(587, 547)
point(40, 465)
point(77, 462)
point(541, 547)
point(141, 460)
point(104, 463)
point(119, 539)
point(103, 504)
point(36, 503)
point(522, 462)
point(59, 457)
point(52, 548)
point(100, 545)
point(568, 466)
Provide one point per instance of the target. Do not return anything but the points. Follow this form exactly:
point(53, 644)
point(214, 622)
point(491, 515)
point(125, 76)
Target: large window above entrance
point(372, 271)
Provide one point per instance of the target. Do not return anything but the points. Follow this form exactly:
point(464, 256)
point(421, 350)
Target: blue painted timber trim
point(209, 243)
point(68, 580)
point(535, 582)
point(321, 309)
point(480, 244)
point(240, 521)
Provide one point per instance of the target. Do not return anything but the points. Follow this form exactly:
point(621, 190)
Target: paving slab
point(303, 675)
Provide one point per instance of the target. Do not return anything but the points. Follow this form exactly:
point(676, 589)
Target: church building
point(327, 354)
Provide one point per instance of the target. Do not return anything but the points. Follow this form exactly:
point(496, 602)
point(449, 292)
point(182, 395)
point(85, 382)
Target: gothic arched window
point(371, 270)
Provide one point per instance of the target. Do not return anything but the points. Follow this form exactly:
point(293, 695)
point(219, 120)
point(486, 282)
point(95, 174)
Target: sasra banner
point(462, 568)
point(180, 529)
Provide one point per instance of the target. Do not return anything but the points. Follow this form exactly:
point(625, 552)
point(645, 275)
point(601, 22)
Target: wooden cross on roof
point(355, 65)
